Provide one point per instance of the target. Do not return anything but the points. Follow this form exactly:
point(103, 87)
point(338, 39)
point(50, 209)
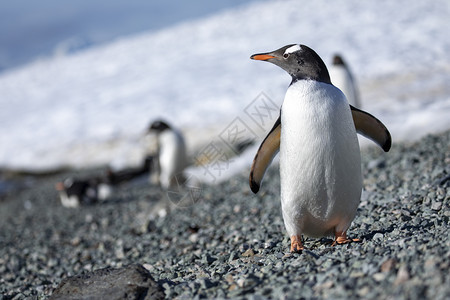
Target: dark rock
point(208, 259)
point(205, 283)
point(131, 282)
point(443, 180)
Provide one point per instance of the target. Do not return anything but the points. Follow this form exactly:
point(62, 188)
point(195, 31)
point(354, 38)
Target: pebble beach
point(229, 243)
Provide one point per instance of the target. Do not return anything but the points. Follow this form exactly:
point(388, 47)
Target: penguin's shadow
point(367, 236)
point(407, 228)
point(370, 235)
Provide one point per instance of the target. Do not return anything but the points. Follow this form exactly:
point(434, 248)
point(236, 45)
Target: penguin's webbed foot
point(341, 238)
point(296, 244)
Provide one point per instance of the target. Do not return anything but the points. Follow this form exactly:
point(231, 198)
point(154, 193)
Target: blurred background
point(81, 81)
point(30, 30)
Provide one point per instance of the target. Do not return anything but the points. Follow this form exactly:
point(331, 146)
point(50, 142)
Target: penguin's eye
point(286, 55)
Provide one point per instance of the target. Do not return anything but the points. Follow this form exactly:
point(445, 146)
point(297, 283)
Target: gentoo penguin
point(342, 78)
point(75, 192)
point(171, 154)
point(320, 167)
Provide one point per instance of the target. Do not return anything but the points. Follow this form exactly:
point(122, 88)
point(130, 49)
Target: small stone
point(286, 255)
point(376, 163)
point(233, 256)
point(208, 259)
point(243, 247)
point(378, 236)
point(193, 238)
point(229, 278)
point(436, 206)
point(324, 286)
point(268, 245)
point(248, 253)
point(205, 283)
point(430, 263)
point(364, 291)
point(402, 275)
point(241, 282)
point(220, 294)
point(87, 267)
point(192, 285)
point(387, 265)
point(120, 254)
point(89, 218)
point(75, 241)
point(357, 274)
point(379, 276)
point(149, 267)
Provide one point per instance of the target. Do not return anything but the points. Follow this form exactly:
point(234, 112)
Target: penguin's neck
point(311, 101)
point(296, 79)
point(316, 72)
point(300, 88)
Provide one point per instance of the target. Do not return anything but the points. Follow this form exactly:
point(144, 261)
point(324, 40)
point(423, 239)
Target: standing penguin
point(171, 154)
point(320, 163)
point(342, 78)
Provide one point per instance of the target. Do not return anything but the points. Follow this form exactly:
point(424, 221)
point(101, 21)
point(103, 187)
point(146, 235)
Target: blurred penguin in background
point(171, 154)
point(74, 192)
point(342, 78)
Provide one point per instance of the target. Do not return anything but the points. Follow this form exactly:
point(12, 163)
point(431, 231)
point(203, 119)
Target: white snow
point(93, 107)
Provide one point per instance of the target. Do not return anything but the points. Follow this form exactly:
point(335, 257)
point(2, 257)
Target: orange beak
point(59, 186)
point(262, 56)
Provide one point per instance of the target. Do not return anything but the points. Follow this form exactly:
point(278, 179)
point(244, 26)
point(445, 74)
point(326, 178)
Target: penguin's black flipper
point(266, 152)
point(372, 128)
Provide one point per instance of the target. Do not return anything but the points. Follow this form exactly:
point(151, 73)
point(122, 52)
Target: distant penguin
point(320, 164)
point(342, 78)
point(75, 192)
point(171, 154)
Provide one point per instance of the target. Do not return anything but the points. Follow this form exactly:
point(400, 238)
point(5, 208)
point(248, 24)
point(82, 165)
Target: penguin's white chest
point(320, 164)
point(172, 156)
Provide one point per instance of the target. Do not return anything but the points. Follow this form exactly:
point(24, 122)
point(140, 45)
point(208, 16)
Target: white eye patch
point(292, 49)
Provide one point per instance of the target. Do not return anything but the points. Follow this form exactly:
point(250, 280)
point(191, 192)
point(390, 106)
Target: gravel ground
point(230, 243)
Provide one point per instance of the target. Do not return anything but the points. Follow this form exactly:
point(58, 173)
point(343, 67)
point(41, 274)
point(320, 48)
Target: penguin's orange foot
point(341, 238)
point(296, 244)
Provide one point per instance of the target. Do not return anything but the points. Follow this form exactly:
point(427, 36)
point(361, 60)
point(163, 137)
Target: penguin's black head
point(338, 60)
point(158, 126)
point(300, 61)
